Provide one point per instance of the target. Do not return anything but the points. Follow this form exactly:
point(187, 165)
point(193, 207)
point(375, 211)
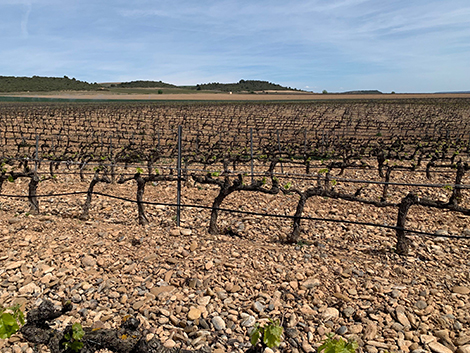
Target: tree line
point(37, 83)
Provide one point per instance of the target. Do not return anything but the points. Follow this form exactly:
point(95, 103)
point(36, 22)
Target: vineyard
point(198, 219)
point(264, 148)
point(329, 150)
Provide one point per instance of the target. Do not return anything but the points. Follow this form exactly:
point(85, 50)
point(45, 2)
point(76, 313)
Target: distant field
point(188, 94)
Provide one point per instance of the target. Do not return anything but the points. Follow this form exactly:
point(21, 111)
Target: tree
point(324, 91)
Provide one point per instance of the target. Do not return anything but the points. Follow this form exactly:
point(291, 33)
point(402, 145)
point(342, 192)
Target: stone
point(29, 289)
point(462, 340)
point(460, 290)
point(194, 314)
point(378, 344)
point(342, 330)
point(370, 331)
point(150, 257)
point(138, 304)
point(218, 322)
point(204, 300)
point(401, 316)
point(421, 304)
point(292, 332)
point(88, 261)
point(348, 311)
point(14, 265)
point(306, 347)
point(311, 283)
point(249, 321)
point(330, 313)
point(185, 231)
point(169, 344)
point(439, 348)
point(157, 290)
point(443, 335)
point(165, 312)
point(342, 297)
point(426, 339)
point(76, 298)
point(371, 349)
point(257, 307)
point(130, 268)
point(175, 232)
point(463, 349)
point(236, 288)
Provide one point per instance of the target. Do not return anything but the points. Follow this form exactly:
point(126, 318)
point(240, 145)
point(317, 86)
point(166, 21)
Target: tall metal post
point(251, 153)
point(279, 148)
point(178, 194)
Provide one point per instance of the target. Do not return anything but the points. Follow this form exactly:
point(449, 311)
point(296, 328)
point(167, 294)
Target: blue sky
point(337, 45)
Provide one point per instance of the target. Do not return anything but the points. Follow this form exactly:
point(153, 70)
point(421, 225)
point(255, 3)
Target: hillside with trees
point(144, 84)
point(242, 86)
point(44, 84)
point(49, 84)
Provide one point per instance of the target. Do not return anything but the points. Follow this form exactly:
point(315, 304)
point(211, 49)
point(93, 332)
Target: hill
point(44, 84)
point(243, 86)
point(144, 84)
point(370, 91)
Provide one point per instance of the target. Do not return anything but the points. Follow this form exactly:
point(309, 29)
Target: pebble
point(219, 323)
point(249, 321)
point(169, 344)
point(463, 349)
point(401, 316)
point(29, 289)
point(311, 283)
point(186, 231)
point(421, 304)
point(194, 314)
point(348, 311)
point(88, 261)
point(292, 332)
point(461, 290)
point(258, 307)
point(306, 347)
point(14, 265)
point(370, 331)
point(439, 348)
point(330, 313)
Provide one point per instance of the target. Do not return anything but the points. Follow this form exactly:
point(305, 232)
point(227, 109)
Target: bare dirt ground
point(229, 97)
point(192, 289)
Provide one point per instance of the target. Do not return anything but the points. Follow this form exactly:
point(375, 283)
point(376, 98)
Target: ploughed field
point(198, 290)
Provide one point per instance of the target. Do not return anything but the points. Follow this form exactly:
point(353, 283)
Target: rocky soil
point(195, 290)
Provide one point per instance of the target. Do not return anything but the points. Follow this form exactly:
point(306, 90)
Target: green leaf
point(272, 335)
point(9, 324)
point(76, 346)
point(331, 345)
point(254, 336)
point(3, 333)
point(77, 331)
point(11, 179)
